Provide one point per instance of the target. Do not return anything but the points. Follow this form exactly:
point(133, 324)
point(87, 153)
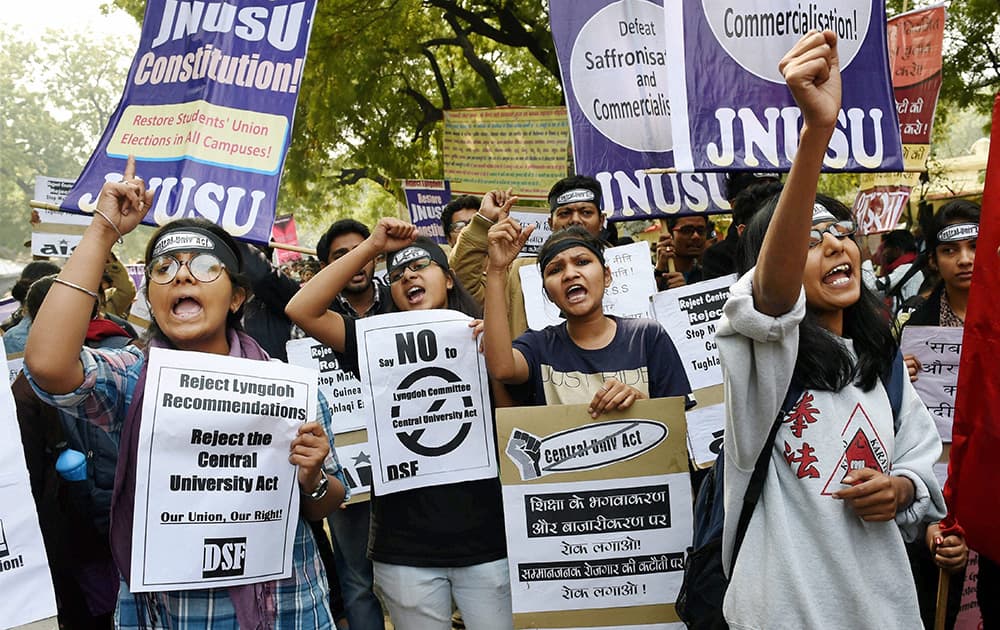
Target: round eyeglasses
point(203, 267)
point(840, 229)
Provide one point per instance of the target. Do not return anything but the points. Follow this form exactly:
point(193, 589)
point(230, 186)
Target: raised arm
point(503, 362)
point(309, 308)
point(52, 353)
point(269, 284)
point(470, 251)
point(812, 73)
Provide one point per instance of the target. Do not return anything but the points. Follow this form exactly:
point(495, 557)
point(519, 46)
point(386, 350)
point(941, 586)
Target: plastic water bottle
point(72, 465)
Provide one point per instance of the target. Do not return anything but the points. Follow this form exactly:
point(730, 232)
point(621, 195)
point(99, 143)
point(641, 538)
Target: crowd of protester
point(810, 307)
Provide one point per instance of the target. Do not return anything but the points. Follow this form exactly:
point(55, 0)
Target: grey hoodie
point(807, 560)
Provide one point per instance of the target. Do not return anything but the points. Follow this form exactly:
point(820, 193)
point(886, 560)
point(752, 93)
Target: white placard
point(705, 428)
point(939, 350)
point(690, 315)
point(52, 189)
point(216, 501)
point(24, 569)
point(58, 217)
point(597, 544)
point(542, 230)
point(539, 309)
point(341, 389)
point(56, 244)
point(57, 233)
point(429, 393)
point(7, 307)
point(632, 286)
point(356, 462)
point(15, 363)
point(348, 412)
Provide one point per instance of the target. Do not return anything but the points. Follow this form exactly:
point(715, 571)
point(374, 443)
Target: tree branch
point(351, 176)
point(438, 78)
point(512, 32)
point(481, 67)
point(431, 112)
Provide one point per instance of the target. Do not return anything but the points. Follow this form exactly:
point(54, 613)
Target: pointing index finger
point(130, 167)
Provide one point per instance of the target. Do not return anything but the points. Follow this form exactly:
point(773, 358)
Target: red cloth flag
point(973, 488)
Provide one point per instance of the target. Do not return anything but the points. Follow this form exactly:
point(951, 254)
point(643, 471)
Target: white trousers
point(420, 598)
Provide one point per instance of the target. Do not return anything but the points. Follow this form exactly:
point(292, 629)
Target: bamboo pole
point(944, 580)
point(41, 205)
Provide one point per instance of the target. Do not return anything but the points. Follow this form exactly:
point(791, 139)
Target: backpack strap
point(893, 383)
point(756, 485)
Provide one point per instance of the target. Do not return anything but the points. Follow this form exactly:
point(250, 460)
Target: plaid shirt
point(302, 601)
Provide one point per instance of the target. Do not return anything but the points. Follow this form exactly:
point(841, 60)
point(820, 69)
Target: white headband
point(575, 195)
point(959, 232)
point(821, 214)
point(186, 241)
point(408, 254)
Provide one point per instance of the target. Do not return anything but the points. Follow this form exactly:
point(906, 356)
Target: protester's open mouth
point(576, 293)
point(186, 307)
point(358, 277)
point(839, 275)
point(415, 295)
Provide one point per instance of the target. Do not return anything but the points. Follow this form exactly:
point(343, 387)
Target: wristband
point(320, 491)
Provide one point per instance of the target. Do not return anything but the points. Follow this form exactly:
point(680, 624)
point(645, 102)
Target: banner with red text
point(284, 231)
point(916, 41)
point(207, 112)
point(879, 208)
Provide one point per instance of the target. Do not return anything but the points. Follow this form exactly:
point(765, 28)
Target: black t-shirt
point(454, 525)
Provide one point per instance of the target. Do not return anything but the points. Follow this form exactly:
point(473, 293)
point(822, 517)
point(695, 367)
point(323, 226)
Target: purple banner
point(731, 108)
point(425, 199)
point(613, 62)
point(207, 111)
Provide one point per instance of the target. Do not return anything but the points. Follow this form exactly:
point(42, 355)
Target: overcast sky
point(34, 16)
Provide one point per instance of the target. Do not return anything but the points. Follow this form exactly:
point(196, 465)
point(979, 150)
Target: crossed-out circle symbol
point(411, 439)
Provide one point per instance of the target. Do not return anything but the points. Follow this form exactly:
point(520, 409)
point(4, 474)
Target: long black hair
point(239, 279)
point(824, 362)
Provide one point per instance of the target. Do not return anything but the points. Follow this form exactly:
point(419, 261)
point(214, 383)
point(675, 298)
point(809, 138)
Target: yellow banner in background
point(871, 180)
point(207, 133)
point(523, 148)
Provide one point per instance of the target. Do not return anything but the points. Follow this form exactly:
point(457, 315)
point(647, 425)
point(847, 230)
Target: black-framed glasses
point(203, 267)
point(458, 226)
point(840, 229)
point(414, 265)
point(689, 230)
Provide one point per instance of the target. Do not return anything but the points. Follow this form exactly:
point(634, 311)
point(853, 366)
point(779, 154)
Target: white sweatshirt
point(807, 560)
